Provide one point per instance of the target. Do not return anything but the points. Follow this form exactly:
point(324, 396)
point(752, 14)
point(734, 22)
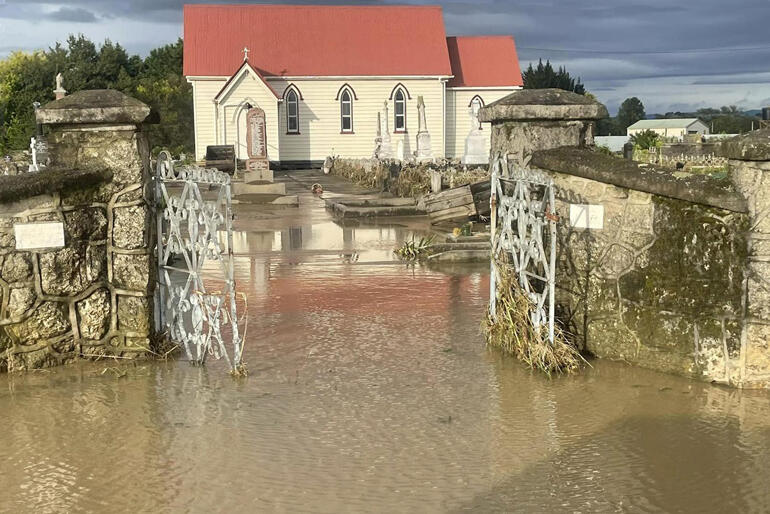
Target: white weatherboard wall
point(458, 122)
point(320, 132)
point(319, 115)
point(204, 92)
point(248, 90)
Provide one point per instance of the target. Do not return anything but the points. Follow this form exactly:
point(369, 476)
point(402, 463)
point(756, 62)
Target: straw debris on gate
point(512, 330)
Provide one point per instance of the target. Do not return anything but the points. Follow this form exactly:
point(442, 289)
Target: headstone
point(328, 163)
point(38, 147)
point(386, 149)
point(435, 181)
point(257, 165)
point(476, 142)
point(424, 152)
point(400, 150)
point(378, 138)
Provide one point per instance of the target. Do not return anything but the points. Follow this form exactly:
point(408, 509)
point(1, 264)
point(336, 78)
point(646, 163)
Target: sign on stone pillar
point(256, 144)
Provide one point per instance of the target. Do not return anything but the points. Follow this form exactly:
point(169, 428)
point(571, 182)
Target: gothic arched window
point(346, 111)
point(399, 111)
point(292, 112)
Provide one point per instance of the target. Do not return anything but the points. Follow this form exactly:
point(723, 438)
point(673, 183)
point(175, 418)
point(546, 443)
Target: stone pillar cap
point(752, 146)
point(95, 106)
point(543, 104)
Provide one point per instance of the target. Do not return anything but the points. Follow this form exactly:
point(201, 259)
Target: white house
point(672, 127)
point(323, 73)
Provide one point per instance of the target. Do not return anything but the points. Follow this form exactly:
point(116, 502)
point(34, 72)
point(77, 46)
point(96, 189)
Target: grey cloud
point(611, 45)
point(77, 14)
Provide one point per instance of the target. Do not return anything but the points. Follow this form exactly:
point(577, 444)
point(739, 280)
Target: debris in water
point(513, 331)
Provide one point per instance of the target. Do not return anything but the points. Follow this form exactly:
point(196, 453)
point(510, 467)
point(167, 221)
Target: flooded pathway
point(371, 390)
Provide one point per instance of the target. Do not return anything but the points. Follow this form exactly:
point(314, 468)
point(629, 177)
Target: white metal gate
point(523, 231)
point(194, 227)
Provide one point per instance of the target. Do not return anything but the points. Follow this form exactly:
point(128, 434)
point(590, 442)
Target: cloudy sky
point(673, 55)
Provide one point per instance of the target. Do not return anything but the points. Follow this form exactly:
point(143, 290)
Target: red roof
point(484, 61)
point(304, 40)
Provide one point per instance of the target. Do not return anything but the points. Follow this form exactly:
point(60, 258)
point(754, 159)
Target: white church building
point(323, 73)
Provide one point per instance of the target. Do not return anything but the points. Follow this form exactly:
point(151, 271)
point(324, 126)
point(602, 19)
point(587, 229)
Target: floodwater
point(371, 390)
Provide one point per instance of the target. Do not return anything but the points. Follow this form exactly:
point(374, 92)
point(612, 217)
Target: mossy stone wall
point(94, 296)
point(660, 285)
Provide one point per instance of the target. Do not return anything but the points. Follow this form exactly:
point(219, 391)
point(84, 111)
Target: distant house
point(672, 127)
point(321, 74)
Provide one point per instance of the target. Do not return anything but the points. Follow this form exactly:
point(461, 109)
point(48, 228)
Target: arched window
point(292, 112)
point(399, 111)
point(346, 112)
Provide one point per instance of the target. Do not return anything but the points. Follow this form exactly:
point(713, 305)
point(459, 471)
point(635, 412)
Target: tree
point(645, 139)
point(631, 111)
point(157, 80)
point(544, 76)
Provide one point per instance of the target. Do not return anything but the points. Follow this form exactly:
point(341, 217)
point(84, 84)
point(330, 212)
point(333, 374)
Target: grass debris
point(413, 249)
point(514, 332)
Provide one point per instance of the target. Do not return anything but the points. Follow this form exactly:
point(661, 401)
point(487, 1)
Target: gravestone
point(386, 149)
point(475, 143)
point(257, 165)
point(423, 152)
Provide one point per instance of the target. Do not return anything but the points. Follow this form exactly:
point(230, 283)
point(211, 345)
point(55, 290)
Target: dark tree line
point(156, 80)
point(545, 76)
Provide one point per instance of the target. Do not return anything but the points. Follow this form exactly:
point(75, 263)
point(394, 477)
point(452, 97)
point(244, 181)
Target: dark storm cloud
point(76, 14)
point(609, 43)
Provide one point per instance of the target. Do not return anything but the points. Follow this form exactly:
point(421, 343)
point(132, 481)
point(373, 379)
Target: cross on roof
point(245, 53)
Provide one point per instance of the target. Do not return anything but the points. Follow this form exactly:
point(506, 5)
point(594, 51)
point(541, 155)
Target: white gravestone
point(386, 149)
point(424, 152)
point(34, 236)
point(586, 216)
point(476, 142)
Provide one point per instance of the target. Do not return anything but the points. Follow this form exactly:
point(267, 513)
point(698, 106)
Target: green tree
point(162, 86)
point(544, 76)
point(157, 80)
point(645, 139)
point(630, 111)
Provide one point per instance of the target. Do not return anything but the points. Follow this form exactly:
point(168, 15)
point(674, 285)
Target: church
point(324, 76)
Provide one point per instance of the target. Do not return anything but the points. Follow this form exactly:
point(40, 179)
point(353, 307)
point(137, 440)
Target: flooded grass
point(512, 330)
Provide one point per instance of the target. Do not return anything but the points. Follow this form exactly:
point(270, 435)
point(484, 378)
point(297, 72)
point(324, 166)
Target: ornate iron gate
point(523, 228)
point(194, 227)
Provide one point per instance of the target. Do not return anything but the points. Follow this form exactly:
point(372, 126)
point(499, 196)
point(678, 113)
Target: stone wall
point(660, 283)
point(674, 272)
point(93, 296)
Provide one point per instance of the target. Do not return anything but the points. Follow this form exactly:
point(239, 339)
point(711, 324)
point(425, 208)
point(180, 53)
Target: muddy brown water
point(371, 390)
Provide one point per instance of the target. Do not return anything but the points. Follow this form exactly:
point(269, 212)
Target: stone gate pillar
point(109, 233)
point(540, 119)
point(749, 169)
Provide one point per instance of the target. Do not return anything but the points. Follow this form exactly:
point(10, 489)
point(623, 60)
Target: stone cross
point(422, 125)
point(33, 151)
point(424, 152)
point(386, 124)
point(245, 53)
point(473, 112)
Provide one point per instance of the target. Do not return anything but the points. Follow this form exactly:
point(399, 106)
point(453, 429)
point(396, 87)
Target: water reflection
point(371, 390)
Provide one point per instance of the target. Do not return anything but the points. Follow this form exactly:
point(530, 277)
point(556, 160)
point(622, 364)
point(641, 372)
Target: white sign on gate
point(34, 236)
point(586, 216)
